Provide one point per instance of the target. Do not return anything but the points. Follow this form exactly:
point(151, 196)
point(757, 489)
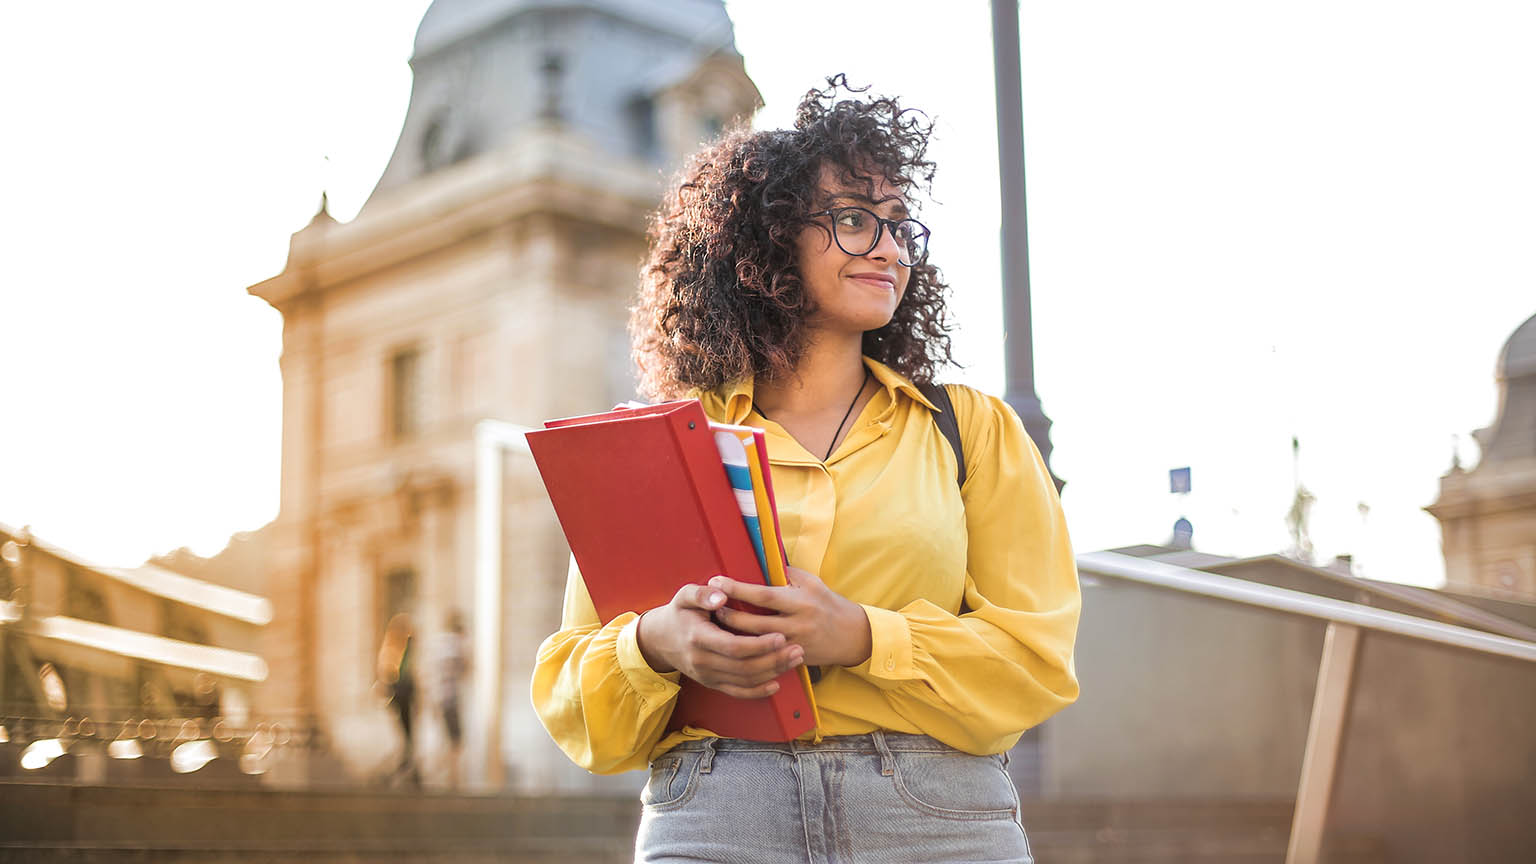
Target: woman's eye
point(852, 219)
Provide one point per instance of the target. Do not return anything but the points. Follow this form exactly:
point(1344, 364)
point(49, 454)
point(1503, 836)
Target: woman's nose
point(886, 247)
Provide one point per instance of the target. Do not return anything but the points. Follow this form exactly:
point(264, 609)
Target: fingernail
point(773, 687)
point(717, 597)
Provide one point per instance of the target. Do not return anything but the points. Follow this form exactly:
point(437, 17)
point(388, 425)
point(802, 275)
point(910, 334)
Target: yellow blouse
point(882, 523)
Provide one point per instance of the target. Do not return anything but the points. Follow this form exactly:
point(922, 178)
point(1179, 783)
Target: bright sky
point(1248, 221)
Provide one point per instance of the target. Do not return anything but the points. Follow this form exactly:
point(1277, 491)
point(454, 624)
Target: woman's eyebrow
point(900, 208)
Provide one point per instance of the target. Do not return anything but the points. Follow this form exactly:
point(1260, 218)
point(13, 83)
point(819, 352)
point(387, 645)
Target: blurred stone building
point(487, 276)
point(1488, 515)
point(91, 654)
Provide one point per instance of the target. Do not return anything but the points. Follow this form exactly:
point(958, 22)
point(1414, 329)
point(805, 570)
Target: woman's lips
point(876, 280)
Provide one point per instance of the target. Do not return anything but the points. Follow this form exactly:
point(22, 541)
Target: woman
point(397, 677)
point(787, 288)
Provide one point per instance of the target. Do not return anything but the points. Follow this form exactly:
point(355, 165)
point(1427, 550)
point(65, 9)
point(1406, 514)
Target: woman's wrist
point(648, 650)
point(861, 640)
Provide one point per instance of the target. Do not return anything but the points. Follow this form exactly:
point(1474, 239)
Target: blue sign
point(1178, 481)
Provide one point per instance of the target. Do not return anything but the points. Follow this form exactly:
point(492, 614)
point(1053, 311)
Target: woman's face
point(852, 294)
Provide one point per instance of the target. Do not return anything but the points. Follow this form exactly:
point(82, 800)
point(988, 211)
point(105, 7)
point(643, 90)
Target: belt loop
point(707, 761)
point(887, 761)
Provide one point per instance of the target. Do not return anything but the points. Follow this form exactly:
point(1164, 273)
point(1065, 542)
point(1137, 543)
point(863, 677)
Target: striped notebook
point(729, 440)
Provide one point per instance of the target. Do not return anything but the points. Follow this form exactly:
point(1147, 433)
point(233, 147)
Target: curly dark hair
point(721, 297)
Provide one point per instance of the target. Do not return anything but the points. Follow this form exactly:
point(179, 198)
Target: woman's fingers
point(714, 640)
point(743, 660)
point(718, 679)
point(702, 597)
point(798, 578)
point(746, 622)
point(720, 649)
point(772, 597)
point(754, 673)
point(762, 691)
point(742, 664)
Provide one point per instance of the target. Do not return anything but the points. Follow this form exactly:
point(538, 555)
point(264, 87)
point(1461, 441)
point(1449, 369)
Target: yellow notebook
point(768, 520)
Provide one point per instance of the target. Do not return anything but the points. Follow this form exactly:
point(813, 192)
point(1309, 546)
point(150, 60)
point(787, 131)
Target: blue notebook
point(733, 455)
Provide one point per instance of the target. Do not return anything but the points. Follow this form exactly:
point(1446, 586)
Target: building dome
point(449, 21)
point(485, 72)
point(1512, 437)
point(1518, 359)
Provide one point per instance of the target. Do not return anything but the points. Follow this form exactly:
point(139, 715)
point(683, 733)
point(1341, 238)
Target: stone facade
point(1488, 514)
point(490, 281)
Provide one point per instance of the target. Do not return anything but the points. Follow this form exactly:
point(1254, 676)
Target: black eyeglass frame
point(880, 227)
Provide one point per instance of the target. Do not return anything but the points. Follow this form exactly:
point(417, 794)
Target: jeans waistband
point(872, 742)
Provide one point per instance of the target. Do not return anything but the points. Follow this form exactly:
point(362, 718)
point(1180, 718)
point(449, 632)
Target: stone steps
point(116, 824)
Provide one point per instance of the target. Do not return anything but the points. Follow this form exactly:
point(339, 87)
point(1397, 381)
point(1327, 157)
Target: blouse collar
point(733, 402)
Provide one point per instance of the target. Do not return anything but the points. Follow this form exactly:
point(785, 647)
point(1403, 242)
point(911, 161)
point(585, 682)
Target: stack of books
point(655, 497)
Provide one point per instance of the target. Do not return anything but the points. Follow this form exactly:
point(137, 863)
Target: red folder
point(647, 508)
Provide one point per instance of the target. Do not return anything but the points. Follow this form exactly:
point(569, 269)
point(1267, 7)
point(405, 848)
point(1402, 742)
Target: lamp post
point(1019, 336)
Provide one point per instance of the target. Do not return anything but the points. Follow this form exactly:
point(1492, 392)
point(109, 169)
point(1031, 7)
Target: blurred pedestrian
point(397, 674)
point(450, 665)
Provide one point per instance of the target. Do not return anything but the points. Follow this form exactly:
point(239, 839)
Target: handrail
point(1161, 575)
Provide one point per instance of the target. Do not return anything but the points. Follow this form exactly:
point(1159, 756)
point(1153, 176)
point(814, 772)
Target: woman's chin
point(860, 321)
point(880, 319)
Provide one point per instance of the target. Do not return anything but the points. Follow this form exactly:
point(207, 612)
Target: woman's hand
point(833, 630)
point(682, 636)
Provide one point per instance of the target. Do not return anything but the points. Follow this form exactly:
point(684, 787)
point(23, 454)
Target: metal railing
point(1161, 575)
point(1335, 676)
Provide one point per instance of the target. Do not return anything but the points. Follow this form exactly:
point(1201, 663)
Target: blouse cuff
point(652, 686)
point(890, 641)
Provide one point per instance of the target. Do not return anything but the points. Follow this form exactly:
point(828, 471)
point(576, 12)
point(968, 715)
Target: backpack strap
point(948, 424)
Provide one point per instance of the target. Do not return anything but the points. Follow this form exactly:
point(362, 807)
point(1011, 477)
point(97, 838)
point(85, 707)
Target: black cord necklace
point(846, 414)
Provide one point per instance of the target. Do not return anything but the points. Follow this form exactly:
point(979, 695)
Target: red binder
point(647, 508)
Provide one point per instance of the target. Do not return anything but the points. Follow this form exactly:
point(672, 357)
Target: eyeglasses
point(857, 232)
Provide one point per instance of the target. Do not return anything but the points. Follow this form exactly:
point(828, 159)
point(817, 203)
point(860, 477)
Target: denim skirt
point(883, 798)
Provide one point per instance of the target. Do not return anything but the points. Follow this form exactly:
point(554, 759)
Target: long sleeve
point(976, 680)
point(598, 698)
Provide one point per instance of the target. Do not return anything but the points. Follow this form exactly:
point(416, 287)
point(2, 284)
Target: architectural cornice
point(547, 171)
point(1479, 492)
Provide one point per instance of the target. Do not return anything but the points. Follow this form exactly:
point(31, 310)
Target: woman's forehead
point(870, 188)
